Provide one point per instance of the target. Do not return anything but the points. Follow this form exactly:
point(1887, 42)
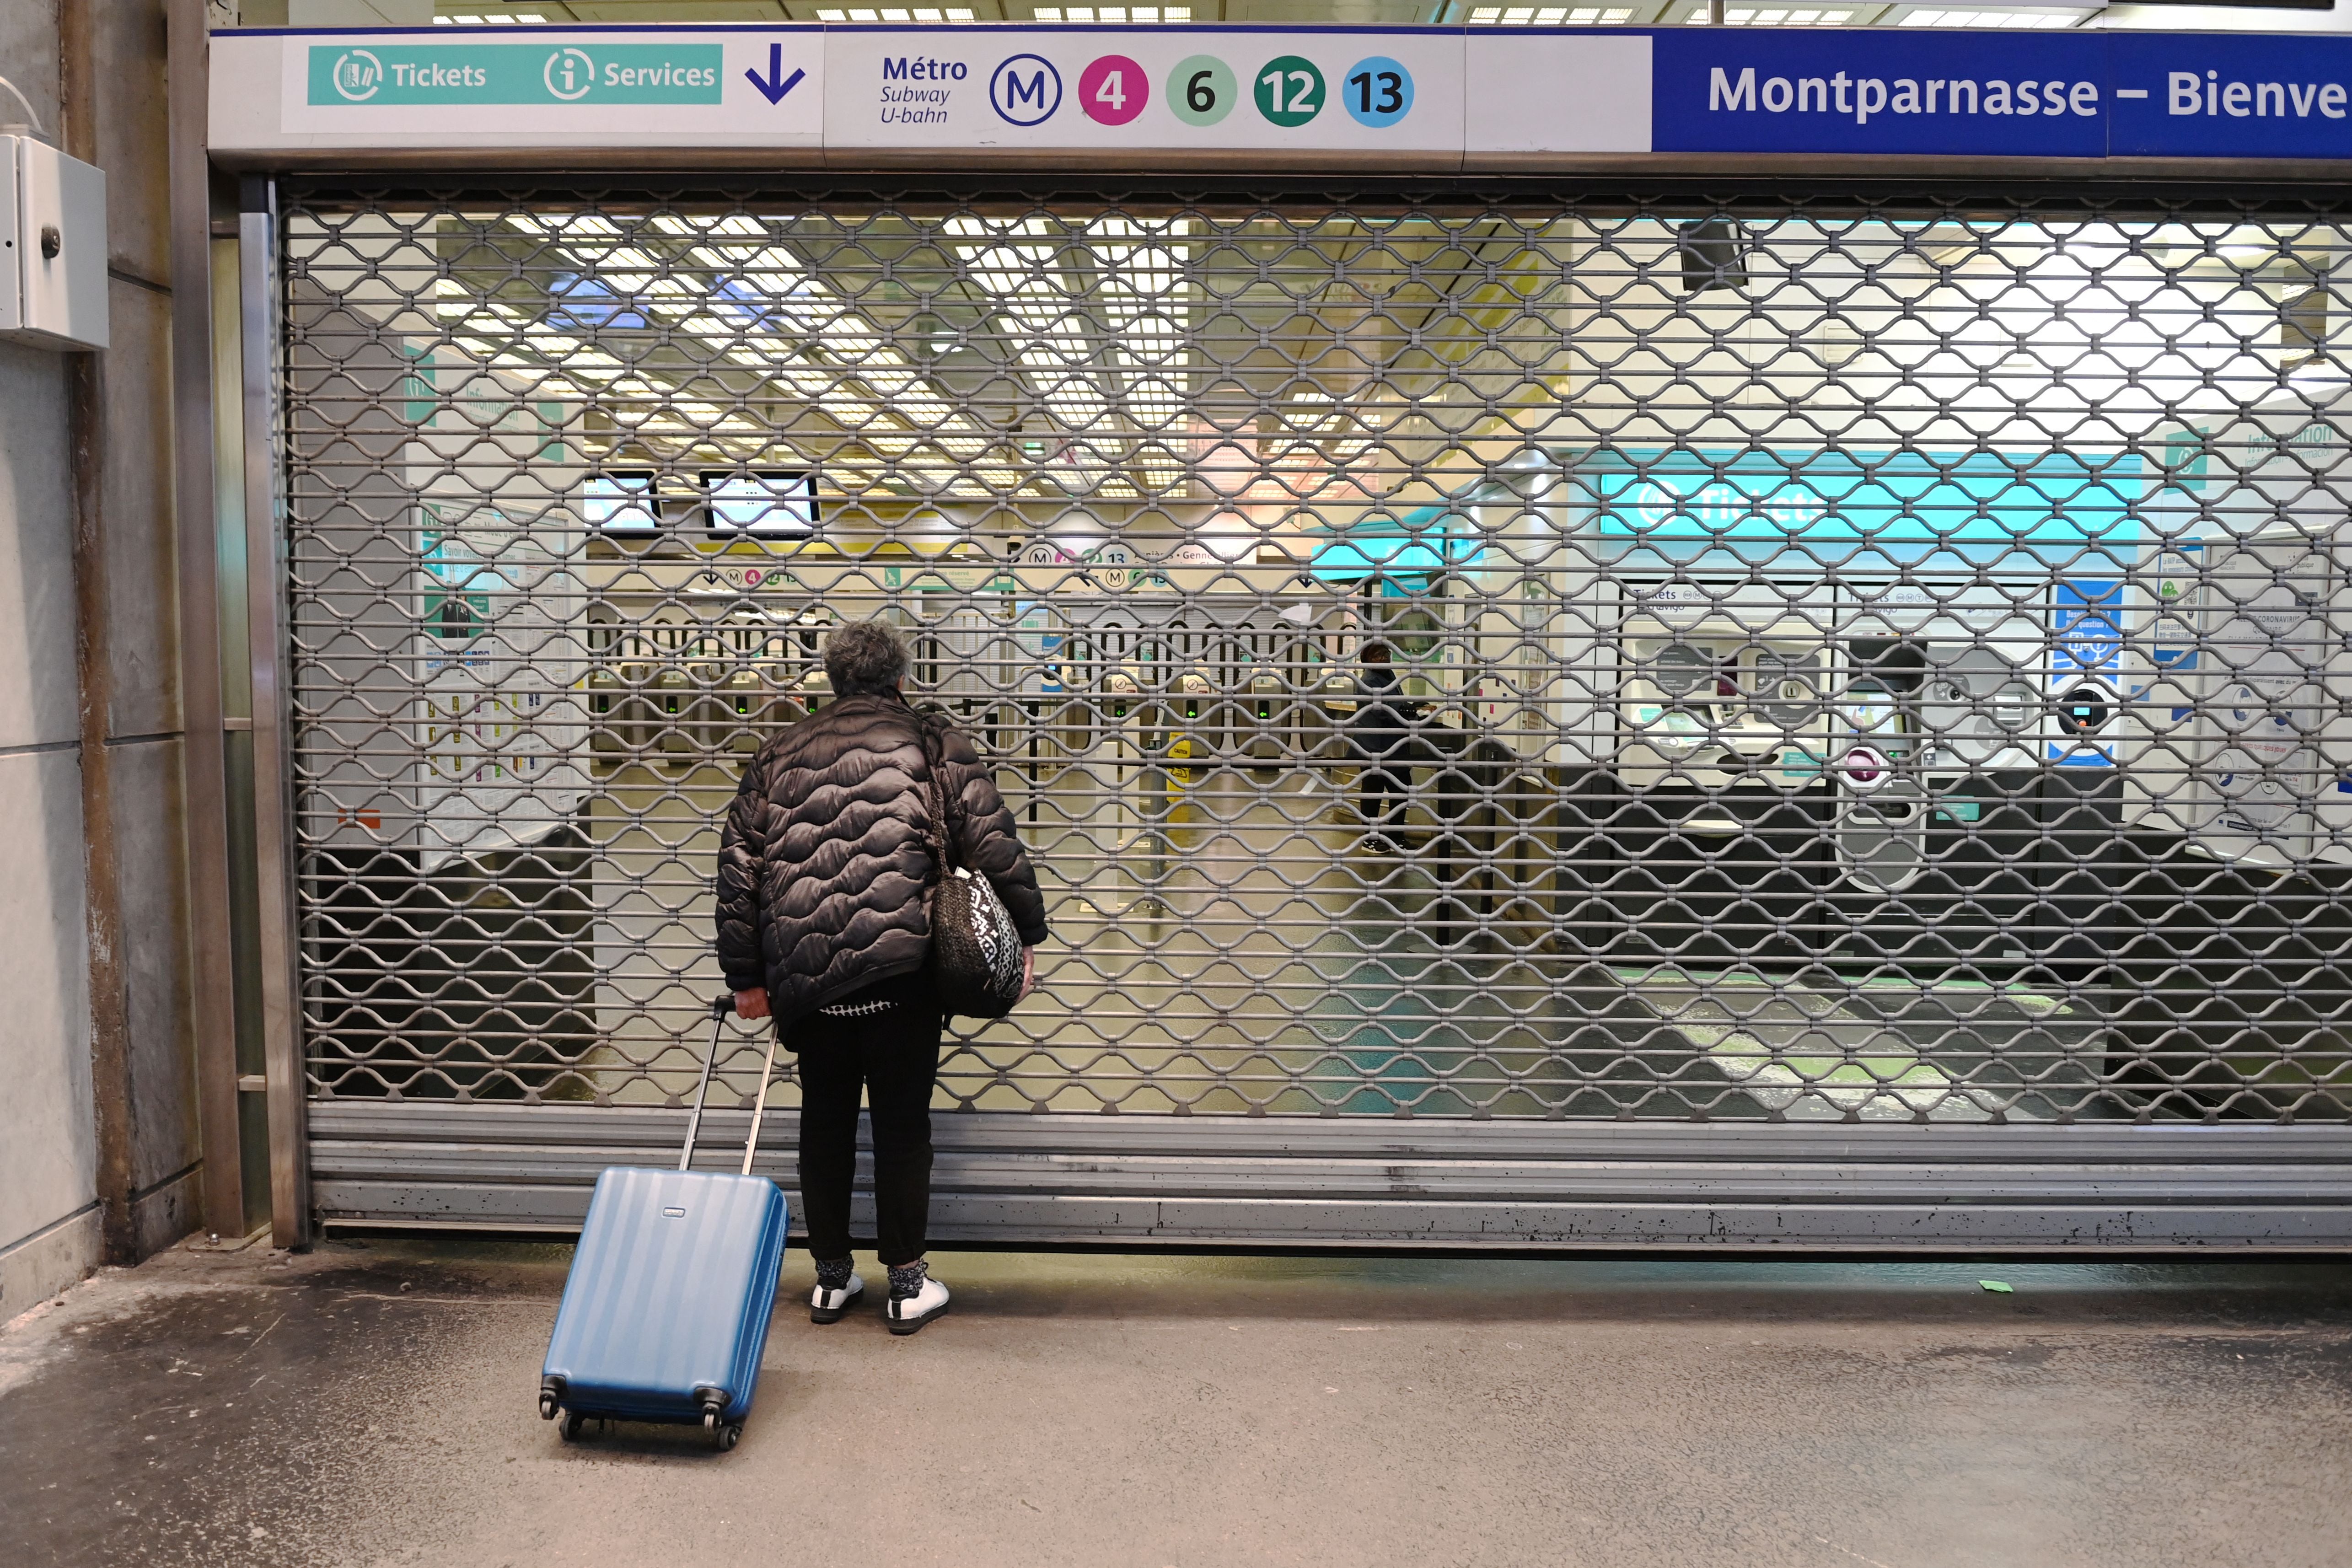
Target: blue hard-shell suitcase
point(666, 1311)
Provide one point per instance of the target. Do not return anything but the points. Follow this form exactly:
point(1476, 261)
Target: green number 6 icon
point(1201, 89)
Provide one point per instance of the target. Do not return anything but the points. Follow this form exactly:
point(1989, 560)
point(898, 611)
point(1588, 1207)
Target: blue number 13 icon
point(1377, 91)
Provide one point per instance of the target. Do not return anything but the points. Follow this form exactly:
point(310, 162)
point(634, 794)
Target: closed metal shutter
point(1542, 719)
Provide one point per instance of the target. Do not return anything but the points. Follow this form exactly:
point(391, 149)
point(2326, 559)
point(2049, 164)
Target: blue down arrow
point(776, 84)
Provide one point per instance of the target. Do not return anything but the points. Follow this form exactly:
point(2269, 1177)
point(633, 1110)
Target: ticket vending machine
point(2248, 752)
point(2231, 930)
point(1875, 674)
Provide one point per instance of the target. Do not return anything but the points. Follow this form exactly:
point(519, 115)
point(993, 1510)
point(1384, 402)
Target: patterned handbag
point(975, 952)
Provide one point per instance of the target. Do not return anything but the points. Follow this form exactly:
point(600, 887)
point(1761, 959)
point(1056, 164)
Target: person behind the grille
point(1380, 736)
point(823, 869)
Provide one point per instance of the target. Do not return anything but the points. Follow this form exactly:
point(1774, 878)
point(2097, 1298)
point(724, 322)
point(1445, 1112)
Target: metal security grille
point(1509, 658)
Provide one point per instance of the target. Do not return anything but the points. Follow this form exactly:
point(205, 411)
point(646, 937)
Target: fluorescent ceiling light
point(2041, 20)
point(1783, 16)
point(1113, 14)
point(1550, 15)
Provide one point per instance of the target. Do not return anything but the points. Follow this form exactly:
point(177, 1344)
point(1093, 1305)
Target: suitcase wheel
point(569, 1429)
point(726, 1436)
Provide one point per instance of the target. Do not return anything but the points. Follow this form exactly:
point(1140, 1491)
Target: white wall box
point(53, 239)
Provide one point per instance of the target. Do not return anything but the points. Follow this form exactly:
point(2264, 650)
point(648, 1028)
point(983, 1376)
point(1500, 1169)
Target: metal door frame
point(1270, 1183)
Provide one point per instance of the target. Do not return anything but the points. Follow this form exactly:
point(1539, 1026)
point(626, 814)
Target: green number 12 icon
point(1291, 90)
point(1201, 91)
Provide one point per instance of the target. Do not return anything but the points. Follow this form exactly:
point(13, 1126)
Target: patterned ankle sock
point(833, 1273)
point(906, 1278)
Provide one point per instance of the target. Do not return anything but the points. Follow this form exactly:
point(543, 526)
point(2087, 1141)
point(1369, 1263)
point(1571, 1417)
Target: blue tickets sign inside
point(1953, 510)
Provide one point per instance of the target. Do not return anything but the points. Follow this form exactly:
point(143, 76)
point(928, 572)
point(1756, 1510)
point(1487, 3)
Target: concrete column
point(100, 1156)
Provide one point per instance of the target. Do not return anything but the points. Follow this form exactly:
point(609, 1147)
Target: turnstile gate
point(1542, 721)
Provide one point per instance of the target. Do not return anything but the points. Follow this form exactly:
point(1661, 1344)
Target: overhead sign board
point(1268, 96)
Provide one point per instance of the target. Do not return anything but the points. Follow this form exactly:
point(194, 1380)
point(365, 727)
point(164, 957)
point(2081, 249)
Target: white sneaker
point(831, 1306)
point(908, 1316)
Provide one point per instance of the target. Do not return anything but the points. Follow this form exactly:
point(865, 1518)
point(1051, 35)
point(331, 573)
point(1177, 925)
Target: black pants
point(894, 1058)
point(1386, 791)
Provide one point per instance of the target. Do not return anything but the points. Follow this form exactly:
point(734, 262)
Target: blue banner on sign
point(1738, 90)
point(2209, 96)
point(1862, 508)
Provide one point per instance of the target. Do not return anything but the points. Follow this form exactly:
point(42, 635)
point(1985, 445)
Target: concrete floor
point(373, 1404)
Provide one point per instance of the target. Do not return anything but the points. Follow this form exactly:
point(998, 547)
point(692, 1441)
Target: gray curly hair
point(865, 658)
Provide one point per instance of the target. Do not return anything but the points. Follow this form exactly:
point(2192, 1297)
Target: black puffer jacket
point(1384, 731)
point(826, 853)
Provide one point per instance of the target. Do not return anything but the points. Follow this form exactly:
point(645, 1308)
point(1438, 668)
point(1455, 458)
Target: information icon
point(569, 74)
point(1376, 92)
point(1202, 90)
point(1113, 90)
point(1289, 91)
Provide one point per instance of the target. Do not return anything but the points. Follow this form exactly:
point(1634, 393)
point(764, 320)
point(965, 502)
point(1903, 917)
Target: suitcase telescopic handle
point(759, 1106)
point(720, 1007)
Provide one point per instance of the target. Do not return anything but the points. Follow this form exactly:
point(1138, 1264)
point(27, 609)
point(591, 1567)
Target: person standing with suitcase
point(829, 854)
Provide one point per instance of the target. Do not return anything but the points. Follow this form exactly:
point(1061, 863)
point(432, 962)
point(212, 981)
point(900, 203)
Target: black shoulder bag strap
point(934, 744)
